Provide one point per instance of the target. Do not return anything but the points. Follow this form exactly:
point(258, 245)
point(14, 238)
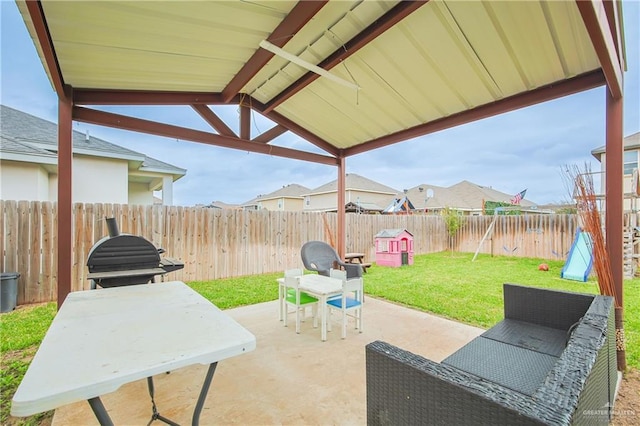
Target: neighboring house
point(465, 197)
point(631, 146)
point(288, 198)
point(102, 171)
point(360, 193)
point(222, 205)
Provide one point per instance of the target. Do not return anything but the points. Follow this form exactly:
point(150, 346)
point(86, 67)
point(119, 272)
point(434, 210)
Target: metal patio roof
point(419, 67)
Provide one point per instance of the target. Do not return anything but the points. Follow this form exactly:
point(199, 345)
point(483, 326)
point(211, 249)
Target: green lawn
point(449, 285)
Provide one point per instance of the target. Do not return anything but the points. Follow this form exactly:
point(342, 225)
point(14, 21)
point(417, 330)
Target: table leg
point(323, 327)
point(281, 301)
point(100, 412)
point(203, 394)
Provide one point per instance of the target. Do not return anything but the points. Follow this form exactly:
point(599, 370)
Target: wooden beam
point(541, 94)
point(245, 122)
point(594, 16)
point(614, 218)
point(118, 121)
point(614, 161)
point(213, 120)
point(271, 134)
point(611, 8)
point(143, 97)
point(34, 7)
point(65, 195)
point(378, 27)
point(297, 18)
point(341, 210)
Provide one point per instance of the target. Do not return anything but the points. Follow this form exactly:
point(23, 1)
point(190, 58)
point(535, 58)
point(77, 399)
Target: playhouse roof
point(391, 233)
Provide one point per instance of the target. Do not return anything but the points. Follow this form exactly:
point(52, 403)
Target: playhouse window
point(404, 245)
point(383, 245)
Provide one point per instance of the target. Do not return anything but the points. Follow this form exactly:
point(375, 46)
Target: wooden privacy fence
point(216, 243)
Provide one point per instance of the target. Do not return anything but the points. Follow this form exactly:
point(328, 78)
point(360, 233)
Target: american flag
point(518, 197)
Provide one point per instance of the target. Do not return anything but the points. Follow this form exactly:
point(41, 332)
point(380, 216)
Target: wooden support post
point(342, 215)
point(65, 194)
point(615, 214)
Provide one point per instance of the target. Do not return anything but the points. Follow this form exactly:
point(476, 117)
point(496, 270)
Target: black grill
point(123, 259)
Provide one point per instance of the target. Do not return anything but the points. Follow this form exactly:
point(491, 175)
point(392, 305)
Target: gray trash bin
point(8, 291)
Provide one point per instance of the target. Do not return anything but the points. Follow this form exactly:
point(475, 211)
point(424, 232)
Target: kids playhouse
point(394, 247)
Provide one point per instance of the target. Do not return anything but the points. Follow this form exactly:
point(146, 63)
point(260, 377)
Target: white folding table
point(102, 339)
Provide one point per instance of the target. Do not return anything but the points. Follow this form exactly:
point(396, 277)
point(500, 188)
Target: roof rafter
point(541, 94)
point(594, 15)
point(34, 7)
point(213, 120)
point(376, 28)
point(124, 122)
point(271, 134)
point(297, 18)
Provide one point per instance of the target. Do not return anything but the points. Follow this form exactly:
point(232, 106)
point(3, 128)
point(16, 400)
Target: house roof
point(10, 145)
point(361, 206)
point(29, 136)
point(355, 182)
point(293, 190)
point(388, 70)
point(630, 142)
point(463, 195)
point(223, 205)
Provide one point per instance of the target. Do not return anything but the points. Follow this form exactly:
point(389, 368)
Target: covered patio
point(288, 379)
point(347, 77)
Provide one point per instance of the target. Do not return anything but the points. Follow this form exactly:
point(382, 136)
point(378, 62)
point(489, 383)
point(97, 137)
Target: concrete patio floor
point(293, 379)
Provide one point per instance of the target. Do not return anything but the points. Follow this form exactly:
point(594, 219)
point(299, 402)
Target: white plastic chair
point(293, 297)
point(349, 303)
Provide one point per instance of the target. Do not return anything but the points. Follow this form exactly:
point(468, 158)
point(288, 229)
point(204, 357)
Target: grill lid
point(122, 252)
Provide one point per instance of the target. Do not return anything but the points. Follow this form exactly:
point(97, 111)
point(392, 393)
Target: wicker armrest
point(404, 389)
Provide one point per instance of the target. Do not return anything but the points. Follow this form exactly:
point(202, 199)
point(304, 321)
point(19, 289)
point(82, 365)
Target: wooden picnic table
point(357, 258)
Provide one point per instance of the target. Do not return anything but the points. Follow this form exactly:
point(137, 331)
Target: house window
point(279, 204)
point(307, 200)
point(630, 161)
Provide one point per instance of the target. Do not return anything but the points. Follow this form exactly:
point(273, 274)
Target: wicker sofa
point(552, 360)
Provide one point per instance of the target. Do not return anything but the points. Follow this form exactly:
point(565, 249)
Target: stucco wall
point(282, 203)
point(139, 193)
point(98, 180)
point(23, 181)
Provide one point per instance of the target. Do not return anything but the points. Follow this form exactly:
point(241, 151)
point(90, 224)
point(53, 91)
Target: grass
point(21, 333)
point(449, 285)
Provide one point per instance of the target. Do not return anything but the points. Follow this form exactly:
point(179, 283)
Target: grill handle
point(112, 226)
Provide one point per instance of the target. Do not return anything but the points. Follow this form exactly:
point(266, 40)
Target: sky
point(523, 149)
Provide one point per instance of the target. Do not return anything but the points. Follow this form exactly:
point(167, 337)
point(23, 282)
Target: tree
point(453, 221)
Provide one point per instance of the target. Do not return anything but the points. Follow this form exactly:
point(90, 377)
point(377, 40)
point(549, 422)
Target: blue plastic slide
point(580, 259)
